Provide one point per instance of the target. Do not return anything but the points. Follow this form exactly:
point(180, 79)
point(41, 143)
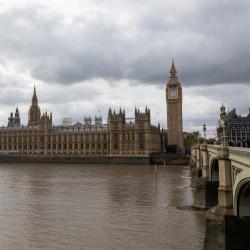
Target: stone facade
point(174, 111)
point(119, 137)
point(237, 128)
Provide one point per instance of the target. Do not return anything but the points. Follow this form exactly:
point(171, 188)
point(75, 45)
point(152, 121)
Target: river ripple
point(46, 206)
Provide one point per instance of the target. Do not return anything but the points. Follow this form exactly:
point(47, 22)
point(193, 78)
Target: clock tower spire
point(174, 110)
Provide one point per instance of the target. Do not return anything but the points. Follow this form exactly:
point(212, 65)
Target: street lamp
point(223, 124)
point(204, 131)
point(198, 137)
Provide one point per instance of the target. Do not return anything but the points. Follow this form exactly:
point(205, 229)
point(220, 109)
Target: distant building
point(66, 122)
point(117, 137)
point(237, 128)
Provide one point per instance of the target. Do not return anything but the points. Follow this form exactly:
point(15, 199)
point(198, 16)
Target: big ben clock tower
point(174, 110)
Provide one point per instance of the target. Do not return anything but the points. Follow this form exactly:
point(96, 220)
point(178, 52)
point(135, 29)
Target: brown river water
point(53, 206)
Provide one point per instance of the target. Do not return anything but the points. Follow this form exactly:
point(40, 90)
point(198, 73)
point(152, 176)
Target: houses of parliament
point(120, 136)
point(117, 137)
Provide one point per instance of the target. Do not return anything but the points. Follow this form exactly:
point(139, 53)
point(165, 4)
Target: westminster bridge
point(221, 177)
point(223, 174)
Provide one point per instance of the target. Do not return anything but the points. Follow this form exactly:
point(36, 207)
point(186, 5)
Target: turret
point(17, 113)
point(34, 112)
point(17, 118)
point(142, 115)
point(109, 113)
point(120, 116)
point(10, 120)
point(98, 120)
point(46, 120)
point(14, 121)
point(87, 121)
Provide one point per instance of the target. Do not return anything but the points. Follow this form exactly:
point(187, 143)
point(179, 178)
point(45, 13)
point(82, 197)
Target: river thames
point(53, 206)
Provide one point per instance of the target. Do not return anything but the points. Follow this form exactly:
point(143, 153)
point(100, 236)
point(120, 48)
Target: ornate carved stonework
point(236, 171)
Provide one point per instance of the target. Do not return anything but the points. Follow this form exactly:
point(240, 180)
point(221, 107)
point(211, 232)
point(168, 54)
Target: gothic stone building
point(119, 137)
point(237, 128)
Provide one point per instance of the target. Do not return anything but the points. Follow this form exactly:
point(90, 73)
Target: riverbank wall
point(77, 160)
point(162, 159)
point(169, 159)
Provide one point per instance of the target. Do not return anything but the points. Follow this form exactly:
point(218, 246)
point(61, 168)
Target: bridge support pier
point(196, 167)
point(225, 195)
point(205, 189)
point(204, 195)
point(205, 161)
point(192, 161)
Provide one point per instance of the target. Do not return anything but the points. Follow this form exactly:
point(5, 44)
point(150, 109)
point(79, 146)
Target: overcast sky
point(86, 56)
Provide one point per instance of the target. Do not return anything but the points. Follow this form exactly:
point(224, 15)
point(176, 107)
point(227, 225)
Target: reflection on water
point(45, 206)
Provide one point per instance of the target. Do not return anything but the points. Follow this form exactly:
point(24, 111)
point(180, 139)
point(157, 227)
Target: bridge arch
point(214, 170)
point(242, 198)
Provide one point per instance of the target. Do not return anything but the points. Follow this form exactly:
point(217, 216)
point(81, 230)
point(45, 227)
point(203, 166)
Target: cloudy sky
point(85, 56)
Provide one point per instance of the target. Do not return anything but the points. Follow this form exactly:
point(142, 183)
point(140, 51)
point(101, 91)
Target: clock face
point(173, 93)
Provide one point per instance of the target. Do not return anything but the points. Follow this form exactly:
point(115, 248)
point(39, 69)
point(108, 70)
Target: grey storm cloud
point(208, 40)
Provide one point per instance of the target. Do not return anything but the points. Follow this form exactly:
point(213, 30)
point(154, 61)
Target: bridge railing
point(213, 148)
point(240, 156)
point(243, 152)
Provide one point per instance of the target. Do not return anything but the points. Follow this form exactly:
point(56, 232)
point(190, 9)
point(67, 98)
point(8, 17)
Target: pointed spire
point(109, 113)
point(17, 113)
point(34, 93)
point(173, 72)
point(34, 98)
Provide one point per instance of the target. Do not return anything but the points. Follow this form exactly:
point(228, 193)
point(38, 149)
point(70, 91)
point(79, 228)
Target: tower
point(14, 121)
point(17, 118)
point(34, 112)
point(174, 110)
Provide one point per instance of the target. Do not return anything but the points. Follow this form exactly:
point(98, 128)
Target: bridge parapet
point(213, 149)
point(240, 155)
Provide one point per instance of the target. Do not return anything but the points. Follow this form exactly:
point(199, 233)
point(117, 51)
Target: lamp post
point(198, 137)
point(223, 124)
point(204, 131)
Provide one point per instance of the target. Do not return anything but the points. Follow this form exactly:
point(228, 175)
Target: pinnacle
point(173, 72)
